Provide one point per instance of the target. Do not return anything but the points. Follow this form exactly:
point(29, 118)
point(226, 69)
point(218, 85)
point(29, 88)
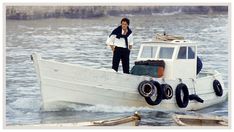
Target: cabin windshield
point(166, 52)
point(157, 52)
point(149, 52)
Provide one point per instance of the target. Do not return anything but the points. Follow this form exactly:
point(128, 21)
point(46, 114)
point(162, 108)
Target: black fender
point(167, 91)
point(217, 88)
point(182, 102)
point(146, 88)
point(158, 95)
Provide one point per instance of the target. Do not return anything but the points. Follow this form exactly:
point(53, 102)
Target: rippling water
point(82, 41)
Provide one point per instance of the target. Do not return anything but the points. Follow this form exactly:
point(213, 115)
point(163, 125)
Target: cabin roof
point(170, 43)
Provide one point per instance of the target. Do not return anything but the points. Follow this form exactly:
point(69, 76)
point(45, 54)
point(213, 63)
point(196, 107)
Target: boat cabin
point(179, 56)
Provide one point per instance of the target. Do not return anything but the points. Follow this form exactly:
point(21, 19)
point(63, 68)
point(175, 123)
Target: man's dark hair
point(125, 20)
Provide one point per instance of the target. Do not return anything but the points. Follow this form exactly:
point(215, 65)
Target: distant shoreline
point(43, 12)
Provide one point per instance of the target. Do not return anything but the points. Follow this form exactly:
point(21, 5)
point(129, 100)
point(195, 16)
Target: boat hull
point(62, 82)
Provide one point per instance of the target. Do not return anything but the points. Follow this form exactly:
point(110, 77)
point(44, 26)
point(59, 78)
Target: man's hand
point(130, 47)
point(112, 47)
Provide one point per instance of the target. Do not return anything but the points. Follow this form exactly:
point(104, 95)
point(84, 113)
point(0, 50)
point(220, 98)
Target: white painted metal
point(174, 66)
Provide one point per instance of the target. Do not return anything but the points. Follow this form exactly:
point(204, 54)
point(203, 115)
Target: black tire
point(217, 88)
point(182, 88)
point(158, 95)
point(144, 93)
point(167, 91)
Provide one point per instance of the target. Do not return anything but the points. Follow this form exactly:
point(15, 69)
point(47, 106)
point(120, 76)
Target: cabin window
point(149, 52)
point(186, 52)
point(182, 53)
point(191, 52)
point(166, 52)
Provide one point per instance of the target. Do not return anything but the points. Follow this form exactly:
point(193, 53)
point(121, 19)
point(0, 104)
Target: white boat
point(132, 120)
point(174, 85)
point(199, 120)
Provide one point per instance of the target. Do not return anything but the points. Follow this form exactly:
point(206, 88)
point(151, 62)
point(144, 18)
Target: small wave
point(116, 109)
point(25, 27)
point(66, 106)
point(10, 112)
point(25, 103)
point(48, 28)
point(164, 13)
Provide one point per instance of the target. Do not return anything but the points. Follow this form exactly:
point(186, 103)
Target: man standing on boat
point(121, 41)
